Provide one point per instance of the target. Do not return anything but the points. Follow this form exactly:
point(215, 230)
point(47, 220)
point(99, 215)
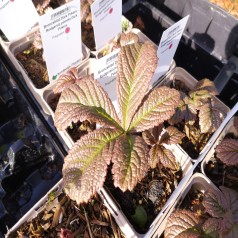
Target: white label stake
point(106, 17)
point(61, 38)
point(105, 71)
point(168, 46)
point(17, 17)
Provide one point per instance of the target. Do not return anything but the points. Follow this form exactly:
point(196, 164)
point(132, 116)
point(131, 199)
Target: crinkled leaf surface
point(179, 222)
point(232, 233)
point(159, 106)
point(151, 136)
point(235, 122)
point(130, 161)
point(211, 227)
point(154, 157)
point(85, 100)
point(85, 166)
point(210, 117)
point(206, 85)
point(184, 112)
point(171, 136)
point(135, 67)
point(166, 157)
point(227, 151)
point(128, 38)
point(193, 233)
point(65, 80)
point(231, 197)
point(215, 203)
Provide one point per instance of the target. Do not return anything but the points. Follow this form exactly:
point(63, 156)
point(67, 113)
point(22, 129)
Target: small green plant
point(222, 207)
point(118, 140)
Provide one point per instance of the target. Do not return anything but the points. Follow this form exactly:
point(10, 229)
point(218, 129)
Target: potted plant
point(119, 140)
point(199, 113)
point(55, 215)
point(220, 164)
point(205, 211)
point(27, 56)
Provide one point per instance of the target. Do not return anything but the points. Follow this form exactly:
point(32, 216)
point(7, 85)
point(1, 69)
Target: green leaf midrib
point(135, 122)
point(100, 146)
point(125, 114)
point(127, 170)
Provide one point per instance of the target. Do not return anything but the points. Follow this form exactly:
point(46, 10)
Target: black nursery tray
point(30, 161)
point(193, 57)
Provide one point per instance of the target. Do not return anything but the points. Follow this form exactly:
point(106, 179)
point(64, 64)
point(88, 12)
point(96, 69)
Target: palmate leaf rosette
point(117, 141)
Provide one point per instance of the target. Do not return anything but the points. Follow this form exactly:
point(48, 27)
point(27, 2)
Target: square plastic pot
point(198, 182)
point(47, 95)
point(22, 44)
point(229, 128)
point(123, 222)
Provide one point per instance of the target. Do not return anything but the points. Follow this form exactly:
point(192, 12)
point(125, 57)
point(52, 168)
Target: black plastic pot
point(30, 160)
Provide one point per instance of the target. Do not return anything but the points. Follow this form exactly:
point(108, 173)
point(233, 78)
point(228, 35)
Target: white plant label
point(17, 17)
point(168, 46)
point(107, 20)
point(61, 37)
point(105, 71)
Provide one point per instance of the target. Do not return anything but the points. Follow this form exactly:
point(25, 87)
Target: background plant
point(222, 207)
point(119, 139)
point(199, 113)
point(227, 150)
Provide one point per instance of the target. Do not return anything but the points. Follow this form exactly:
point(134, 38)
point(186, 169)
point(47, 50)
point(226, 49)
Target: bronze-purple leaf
point(180, 221)
point(85, 166)
point(85, 100)
point(130, 161)
point(167, 158)
point(210, 117)
point(184, 112)
point(158, 107)
point(227, 151)
point(206, 85)
point(231, 197)
point(152, 135)
point(66, 79)
point(135, 67)
point(235, 123)
point(215, 203)
point(211, 227)
point(171, 136)
point(154, 157)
